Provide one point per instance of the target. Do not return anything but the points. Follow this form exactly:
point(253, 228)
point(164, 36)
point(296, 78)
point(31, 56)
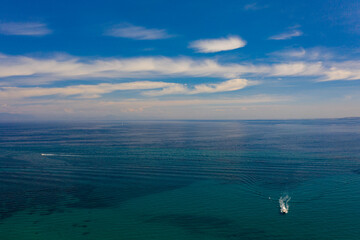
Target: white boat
point(283, 210)
point(284, 206)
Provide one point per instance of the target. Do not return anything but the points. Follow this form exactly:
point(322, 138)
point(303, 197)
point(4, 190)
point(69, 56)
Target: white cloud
point(348, 70)
point(82, 91)
point(62, 68)
point(287, 35)
point(24, 70)
point(324, 63)
point(137, 32)
point(297, 69)
point(24, 28)
point(227, 86)
point(174, 89)
point(309, 54)
point(336, 74)
point(217, 45)
point(95, 91)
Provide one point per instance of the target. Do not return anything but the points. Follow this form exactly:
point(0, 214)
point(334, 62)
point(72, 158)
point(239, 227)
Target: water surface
point(180, 180)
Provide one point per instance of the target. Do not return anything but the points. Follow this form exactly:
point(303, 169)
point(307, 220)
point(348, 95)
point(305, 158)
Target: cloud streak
point(127, 30)
point(348, 70)
point(227, 86)
point(16, 70)
point(287, 35)
point(95, 91)
point(254, 6)
point(24, 28)
point(62, 68)
point(217, 45)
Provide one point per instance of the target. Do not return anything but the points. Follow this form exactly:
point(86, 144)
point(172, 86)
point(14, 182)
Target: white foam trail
point(60, 155)
point(284, 204)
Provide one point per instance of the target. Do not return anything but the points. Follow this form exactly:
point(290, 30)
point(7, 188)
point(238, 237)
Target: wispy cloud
point(30, 70)
point(254, 6)
point(310, 54)
point(297, 69)
point(290, 53)
point(348, 70)
point(80, 91)
point(227, 86)
point(293, 32)
point(60, 68)
point(24, 28)
point(127, 30)
point(95, 91)
point(325, 63)
point(217, 45)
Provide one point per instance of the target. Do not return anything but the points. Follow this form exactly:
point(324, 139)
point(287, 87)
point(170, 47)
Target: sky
point(163, 59)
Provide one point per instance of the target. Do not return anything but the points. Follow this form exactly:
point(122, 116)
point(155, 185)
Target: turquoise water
point(180, 180)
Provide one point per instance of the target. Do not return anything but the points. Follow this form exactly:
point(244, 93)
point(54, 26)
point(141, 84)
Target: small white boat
point(283, 210)
point(284, 206)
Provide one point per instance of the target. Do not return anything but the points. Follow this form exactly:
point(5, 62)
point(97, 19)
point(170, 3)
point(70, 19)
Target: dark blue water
point(180, 180)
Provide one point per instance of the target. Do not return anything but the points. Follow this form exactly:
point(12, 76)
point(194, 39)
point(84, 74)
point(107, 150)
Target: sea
point(177, 180)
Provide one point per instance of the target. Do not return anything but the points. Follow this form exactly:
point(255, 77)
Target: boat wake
point(284, 204)
point(59, 155)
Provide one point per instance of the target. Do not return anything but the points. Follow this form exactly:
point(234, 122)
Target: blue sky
point(179, 59)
